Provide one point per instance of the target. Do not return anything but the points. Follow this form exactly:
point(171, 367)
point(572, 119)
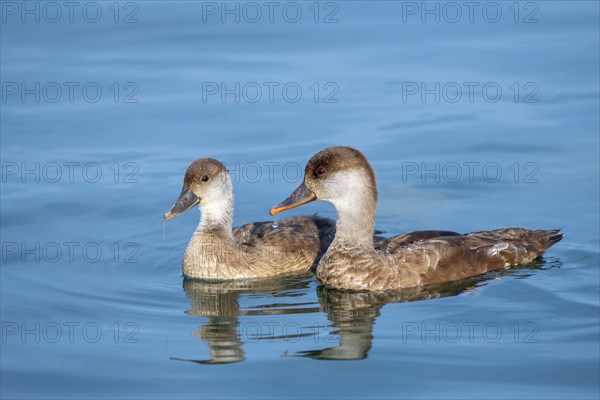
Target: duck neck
point(355, 205)
point(212, 245)
point(217, 217)
point(355, 225)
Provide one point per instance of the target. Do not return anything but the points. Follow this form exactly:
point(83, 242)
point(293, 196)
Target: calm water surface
point(93, 303)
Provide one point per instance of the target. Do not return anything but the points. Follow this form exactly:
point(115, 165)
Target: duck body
point(255, 250)
point(355, 261)
point(433, 260)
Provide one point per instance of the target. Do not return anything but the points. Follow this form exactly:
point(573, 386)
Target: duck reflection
point(352, 314)
point(220, 303)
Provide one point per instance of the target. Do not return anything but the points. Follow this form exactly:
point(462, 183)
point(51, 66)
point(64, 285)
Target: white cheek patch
point(217, 198)
point(346, 190)
point(217, 190)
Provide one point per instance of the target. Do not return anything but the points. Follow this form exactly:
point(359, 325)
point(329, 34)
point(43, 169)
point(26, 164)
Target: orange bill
point(301, 195)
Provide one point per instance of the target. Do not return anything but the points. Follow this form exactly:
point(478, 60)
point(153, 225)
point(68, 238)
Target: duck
point(353, 261)
point(218, 252)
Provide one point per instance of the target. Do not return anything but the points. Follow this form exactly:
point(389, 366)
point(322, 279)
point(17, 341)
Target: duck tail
point(538, 240)
point(535, 242)
point(524, 244)
point(549, 238)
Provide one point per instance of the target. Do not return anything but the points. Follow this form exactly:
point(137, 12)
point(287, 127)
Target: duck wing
point(394, 243)
point(455, 257)
point(314, 226)
point(277, 233)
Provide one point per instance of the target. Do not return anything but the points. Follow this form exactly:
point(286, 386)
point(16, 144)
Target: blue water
point(472, 121)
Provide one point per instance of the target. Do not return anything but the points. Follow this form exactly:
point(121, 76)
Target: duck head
point(206, 183)
point(340, 175)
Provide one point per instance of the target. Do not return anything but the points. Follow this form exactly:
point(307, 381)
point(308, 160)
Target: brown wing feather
point(290, 244)
point(451, 258)
point(393, 243)
point(422, 258)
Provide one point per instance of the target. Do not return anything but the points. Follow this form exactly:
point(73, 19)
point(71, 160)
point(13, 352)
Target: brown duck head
point(340, 175)
point(206, 182)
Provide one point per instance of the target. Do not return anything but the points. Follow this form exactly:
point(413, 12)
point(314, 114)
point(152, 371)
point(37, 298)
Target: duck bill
point(187, 199)
point(301, 195)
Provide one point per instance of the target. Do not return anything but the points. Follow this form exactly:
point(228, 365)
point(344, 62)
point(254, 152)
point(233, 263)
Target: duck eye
point(204, 178)
point(320, 170)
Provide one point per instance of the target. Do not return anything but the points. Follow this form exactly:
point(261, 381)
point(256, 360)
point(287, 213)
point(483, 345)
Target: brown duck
point(255, 250)
point(344, 177)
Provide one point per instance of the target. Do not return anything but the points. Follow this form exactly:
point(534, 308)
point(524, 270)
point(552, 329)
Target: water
point(93, 302)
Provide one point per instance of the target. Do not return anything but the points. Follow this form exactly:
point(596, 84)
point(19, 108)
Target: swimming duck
point(344, 177)
point(255, 250)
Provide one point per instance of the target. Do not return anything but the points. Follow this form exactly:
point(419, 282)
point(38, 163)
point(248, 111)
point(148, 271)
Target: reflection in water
point(219, 301)
point(352, 314)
